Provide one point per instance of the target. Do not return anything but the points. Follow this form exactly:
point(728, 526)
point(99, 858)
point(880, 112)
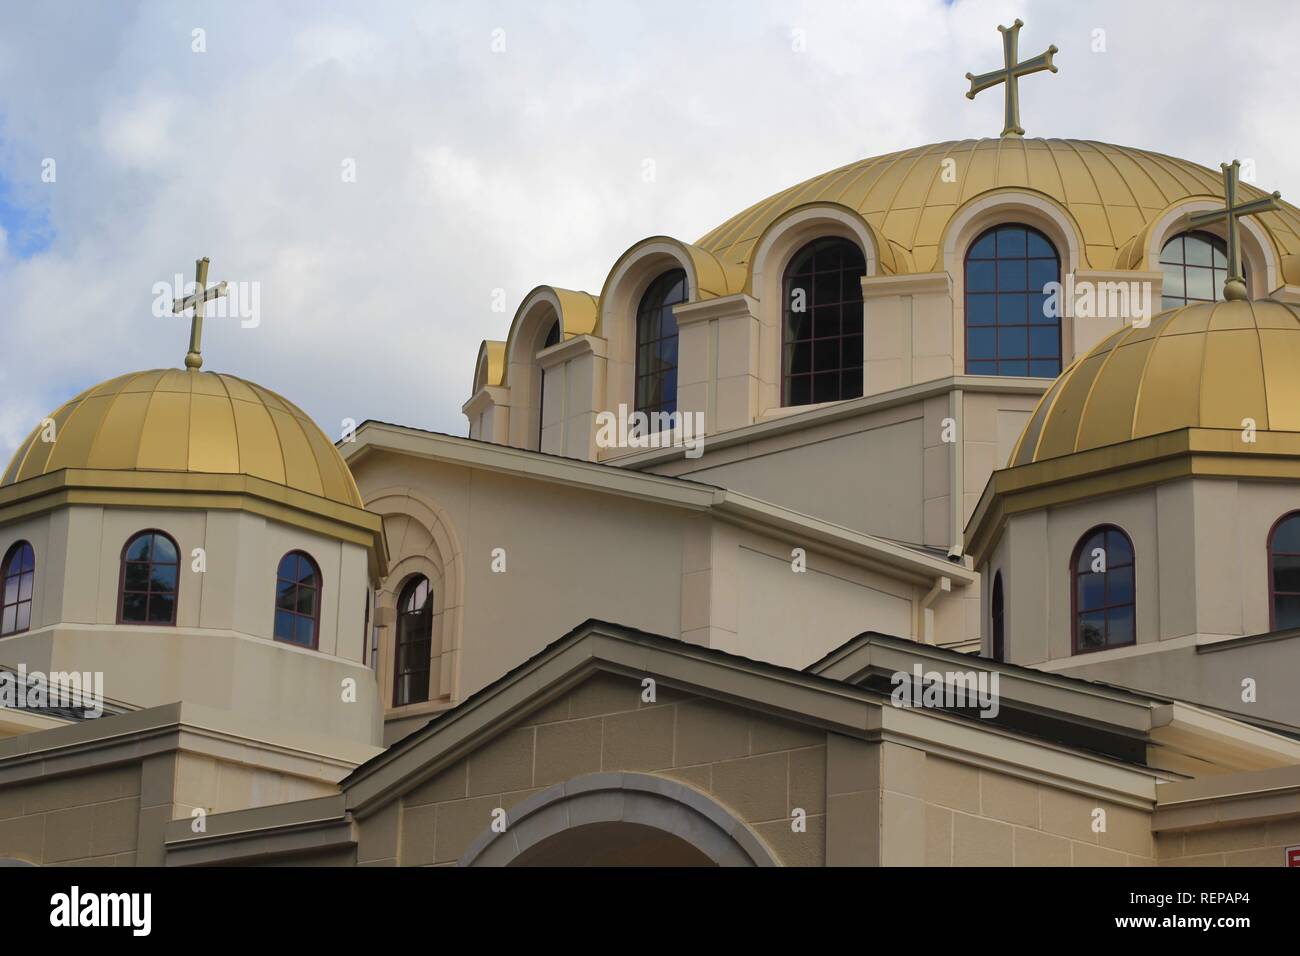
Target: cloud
point(479, 170)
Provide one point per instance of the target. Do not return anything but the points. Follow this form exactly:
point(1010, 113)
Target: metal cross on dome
point(202, 294)
point(1010, 75)
point(1234, 286)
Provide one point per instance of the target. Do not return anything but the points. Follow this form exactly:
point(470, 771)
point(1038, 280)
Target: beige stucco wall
point(86, 819)
point(221, 653)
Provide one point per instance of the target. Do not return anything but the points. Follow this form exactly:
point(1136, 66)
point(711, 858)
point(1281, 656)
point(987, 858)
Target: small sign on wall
point(1292, 856)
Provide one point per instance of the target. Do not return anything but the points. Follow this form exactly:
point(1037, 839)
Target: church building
point(943, 509)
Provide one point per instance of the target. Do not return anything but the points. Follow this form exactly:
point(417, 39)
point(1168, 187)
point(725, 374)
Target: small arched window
point(297, 600)
point(656, 344)
point(150, 569)
point(1102, 575)
point(997, 611)
point(1195, 265)
point(414, 645)
point(17, 576)
point(821, 358)
point(1284, 573)
point(1008, 328)
point(552, 338)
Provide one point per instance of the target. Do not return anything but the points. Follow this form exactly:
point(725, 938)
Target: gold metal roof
point(1209, 365)
point(187, 421)
point(1113, 193)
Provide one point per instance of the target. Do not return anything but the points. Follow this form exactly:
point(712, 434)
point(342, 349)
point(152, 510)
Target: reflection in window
point(150, 568)
point(1104, 595)
point(656, 344)
point(1008, 330)
point(1195, 265)
point(414, 644)
point(1284, 572)
point(822, 342)
point(297, 600)
point(17, 577)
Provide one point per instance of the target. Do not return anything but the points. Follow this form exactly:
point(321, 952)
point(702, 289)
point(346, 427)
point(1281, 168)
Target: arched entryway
point(620, 819)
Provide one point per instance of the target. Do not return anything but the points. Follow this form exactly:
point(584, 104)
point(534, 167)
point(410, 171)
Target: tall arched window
point(552, 338)
point(414, 644)
point(656, 343)
point(150, 569)
point(996, 612)
point(821, 357)
point(1008, 330)
point(1284, 572)
point(297, 600)
point(17, 576)
point(1102, 575)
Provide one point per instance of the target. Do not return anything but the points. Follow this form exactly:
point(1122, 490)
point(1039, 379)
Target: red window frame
point(121, 581)
point(1272, 581)
point(1075, 611)
point(315, 588)
point(17, 552)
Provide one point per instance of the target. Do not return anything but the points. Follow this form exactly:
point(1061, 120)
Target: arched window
point(414, 643)
point(821, 357)
point(1284, 572)
point(17, 575)
point(1104, 590)
point(1008, 330)
point(656, 343)
point(150, 567)
point(297, 600)
point(552, 338)
point(996, 612)
point(1194, 266)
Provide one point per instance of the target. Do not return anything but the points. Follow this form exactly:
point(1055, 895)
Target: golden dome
point(1113, 193)
point(1210, 365)
point(170, 420)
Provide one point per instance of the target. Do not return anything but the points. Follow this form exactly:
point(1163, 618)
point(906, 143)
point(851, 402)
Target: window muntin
point(413, 647)
point(822, 338)
point(1195, 265)
point(17, 580)
point(1008, 330)
point(656, 343)
point(1105, 591)
point(1284, 573)
point(297, 600)
point(150, 580)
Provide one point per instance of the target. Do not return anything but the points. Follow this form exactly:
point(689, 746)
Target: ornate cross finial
point(1234, 286)
point(1010, 75)
point(202, 294)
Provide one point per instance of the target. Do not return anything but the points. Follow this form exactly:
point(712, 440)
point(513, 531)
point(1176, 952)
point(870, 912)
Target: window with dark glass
point(996, 612)
point(552, 338)
point(150, 571)
point(1008, 328)
point(656, 343)
point(413, 648)
point(1195, 265)
point(821, 359)
point(17, 577)
point(1284, 572)
point(1104, 591)
point(297, 600)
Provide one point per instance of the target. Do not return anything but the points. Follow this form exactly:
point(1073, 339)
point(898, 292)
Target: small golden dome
point(1210, 365)
point(1114, 194)
point(169, 420)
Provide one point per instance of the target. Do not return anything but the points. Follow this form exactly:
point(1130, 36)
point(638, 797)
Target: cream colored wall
point(86, 819)
point(221, 652)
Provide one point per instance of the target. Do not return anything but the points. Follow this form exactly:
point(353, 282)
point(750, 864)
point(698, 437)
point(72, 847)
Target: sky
point(392, 178)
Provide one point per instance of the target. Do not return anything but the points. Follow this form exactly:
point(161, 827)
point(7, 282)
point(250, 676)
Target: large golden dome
point(1113, 193)
point(1210, 365)
point(189, 421)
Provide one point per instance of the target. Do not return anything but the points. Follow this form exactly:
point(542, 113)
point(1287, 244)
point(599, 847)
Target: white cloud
point(479, 170)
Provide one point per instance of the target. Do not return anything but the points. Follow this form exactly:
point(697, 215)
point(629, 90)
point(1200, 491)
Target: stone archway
point(620, 819)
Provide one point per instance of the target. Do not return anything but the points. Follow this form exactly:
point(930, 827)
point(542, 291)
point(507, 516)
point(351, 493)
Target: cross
point(1010, 75)
point(202, 294)
point(1234, 286)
